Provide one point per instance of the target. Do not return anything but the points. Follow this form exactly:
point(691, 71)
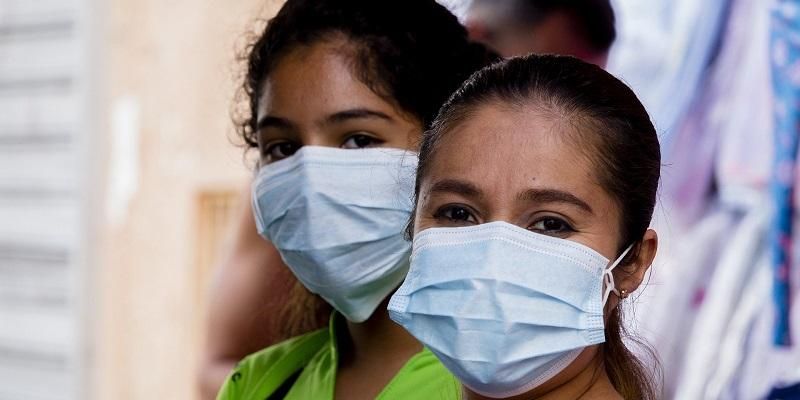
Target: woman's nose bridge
point(500, 209)
point(314, 136)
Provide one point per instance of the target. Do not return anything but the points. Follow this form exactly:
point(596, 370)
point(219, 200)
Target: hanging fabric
point(785, 42)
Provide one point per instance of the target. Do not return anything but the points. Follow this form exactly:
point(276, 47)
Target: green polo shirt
point(304, 367)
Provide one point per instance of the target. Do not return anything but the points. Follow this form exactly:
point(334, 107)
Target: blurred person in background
point(580, 28)
point(323, 78)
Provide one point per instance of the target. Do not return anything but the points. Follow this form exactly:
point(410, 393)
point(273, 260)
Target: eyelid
point(374, 141)
point(352, 134)
point(441, 209)
point(567, 229)
point(268, 146)
point(266, 150)
point(541, 214)
point(550, 217)
point(265, 146)
point(273, 142)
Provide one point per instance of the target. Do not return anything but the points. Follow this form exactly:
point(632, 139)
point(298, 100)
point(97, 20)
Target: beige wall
point(176, 61)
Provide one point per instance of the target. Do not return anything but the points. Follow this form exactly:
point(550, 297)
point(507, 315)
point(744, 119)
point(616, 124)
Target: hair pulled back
point(610, 125)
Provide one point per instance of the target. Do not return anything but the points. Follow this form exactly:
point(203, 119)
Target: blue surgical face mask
point(503, 308)
point(337, 218)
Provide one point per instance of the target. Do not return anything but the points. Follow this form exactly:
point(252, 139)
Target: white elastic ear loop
point(608, 277)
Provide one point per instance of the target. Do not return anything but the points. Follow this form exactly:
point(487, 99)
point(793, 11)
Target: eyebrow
point(356, 113)
point(553, 196)
point(465, 189)
point(274, 122)
point(270, 121)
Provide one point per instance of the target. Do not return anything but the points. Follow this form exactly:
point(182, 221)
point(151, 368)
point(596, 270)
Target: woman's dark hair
point(609, 124)
point(412, 53)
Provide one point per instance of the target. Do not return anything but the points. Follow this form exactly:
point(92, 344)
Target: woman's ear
point(631, 275)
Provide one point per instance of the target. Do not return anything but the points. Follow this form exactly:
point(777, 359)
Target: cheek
point(423, 218)
point(599, 231)
point(419, 224)
point(611, 223)
point(410, 141)
point(420, 221)
point(603, 233)
point(405, 140)
point(405, 135)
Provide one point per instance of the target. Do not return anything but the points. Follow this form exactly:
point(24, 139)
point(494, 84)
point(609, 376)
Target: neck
point(585, 378)
point(379, 337)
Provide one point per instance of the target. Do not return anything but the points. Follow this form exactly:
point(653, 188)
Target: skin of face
point(517, 165)
point(311, 98)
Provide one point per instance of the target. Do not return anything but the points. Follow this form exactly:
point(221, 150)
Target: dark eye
point(360, 141)
point(456, 214)
point(278, 151)
point(551, 226)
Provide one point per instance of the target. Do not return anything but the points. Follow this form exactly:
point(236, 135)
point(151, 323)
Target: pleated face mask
point(503, 308)
point(337, 218)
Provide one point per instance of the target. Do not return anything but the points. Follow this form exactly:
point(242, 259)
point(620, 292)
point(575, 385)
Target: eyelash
point(374, 141)
point(442, 215)
point(267, 156)
point(564, 231)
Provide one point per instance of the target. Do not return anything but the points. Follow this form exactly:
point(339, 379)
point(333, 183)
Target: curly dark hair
point(412, 53)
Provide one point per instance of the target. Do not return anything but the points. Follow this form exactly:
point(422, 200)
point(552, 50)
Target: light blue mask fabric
point(503, 308)
point(337, 218)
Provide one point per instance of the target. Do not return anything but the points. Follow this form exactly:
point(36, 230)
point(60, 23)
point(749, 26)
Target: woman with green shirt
point(535, 189)
point(339, 94)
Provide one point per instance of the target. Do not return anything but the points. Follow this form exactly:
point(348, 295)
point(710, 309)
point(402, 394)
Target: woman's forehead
point(507, 148)
point(508, 135)
point(320, 79)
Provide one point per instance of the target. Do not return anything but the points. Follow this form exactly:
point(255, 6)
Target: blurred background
point(116, 177)
point(119, 180)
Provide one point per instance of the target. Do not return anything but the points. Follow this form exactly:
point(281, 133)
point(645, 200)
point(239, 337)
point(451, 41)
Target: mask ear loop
point(608, 277)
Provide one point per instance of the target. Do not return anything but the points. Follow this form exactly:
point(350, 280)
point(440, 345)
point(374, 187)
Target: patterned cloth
point(785, 393)
point(709, 298)
point(786, 85)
